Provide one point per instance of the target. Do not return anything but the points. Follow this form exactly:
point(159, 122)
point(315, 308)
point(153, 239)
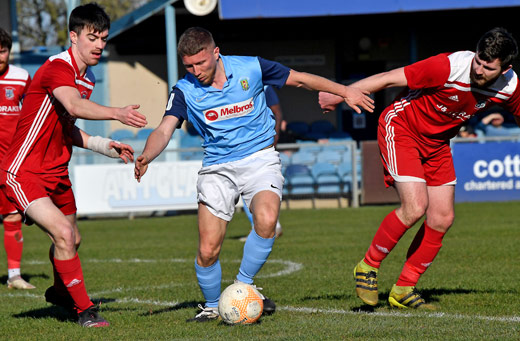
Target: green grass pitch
point(142, 272)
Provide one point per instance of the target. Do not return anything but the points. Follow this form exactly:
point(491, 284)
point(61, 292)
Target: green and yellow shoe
point(366, 283)
point(406, 298)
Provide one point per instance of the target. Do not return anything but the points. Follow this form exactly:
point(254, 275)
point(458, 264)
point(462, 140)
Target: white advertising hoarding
point(101, 189)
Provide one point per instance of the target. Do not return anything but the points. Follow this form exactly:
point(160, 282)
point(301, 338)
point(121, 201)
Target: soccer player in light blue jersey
point(223, 97)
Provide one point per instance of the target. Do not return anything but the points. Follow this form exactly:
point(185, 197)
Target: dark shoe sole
point(269, 306)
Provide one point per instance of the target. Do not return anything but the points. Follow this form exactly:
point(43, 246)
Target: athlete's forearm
point(155, 144)
point(314, 82)
point(88, 110)
point(80, 107)
point(383, 80)
point(79, 137)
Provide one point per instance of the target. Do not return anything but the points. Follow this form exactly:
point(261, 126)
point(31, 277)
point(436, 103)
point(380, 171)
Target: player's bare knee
point(208, 254)
point(441, 222)
point(410, 214)
point(265, 220)
point(64, 237)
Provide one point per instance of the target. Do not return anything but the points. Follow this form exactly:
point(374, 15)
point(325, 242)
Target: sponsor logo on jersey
point(442, 107)
point(9, 93)
point(229, 111)
point(480, 104)
point(461, 115)
point(211, 115)
point(454, 98)
point(9, 108)
point(245, 84)
point(84, 94)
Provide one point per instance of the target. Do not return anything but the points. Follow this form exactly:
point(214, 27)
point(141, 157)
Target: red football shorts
point(6, 207)
point(23, 190)
point(406, 159)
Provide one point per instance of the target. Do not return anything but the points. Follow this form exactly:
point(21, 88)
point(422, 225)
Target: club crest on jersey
point(84, 94)
point(244, 82)
point(9, 93)
point(229, 111)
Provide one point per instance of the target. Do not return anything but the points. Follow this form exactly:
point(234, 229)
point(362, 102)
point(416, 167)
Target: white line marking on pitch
point(290, 266)
point(305, 310)
point(401, 314)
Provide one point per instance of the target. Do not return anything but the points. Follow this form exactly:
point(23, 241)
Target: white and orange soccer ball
point(240, 303)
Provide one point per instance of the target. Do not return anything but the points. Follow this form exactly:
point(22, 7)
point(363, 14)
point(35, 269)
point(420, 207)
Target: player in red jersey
point(14, 82)
point(35, 167)
point(442, 93)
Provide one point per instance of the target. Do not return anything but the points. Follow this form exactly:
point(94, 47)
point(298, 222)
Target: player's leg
point(13, 243)
point(212, 230)
point(425, 247)
point(63, 232)
point(262, 184)
point(217, 195)
point(265, 206)
point(428, 241)
point(440, 177)
point(58, 294)
point(402, 169)
point(414, 201)
point(259, 244)
point(247, 211)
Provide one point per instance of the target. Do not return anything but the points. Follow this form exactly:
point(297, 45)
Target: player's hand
point(131, 117)
point(328, 102)
point(125, 151)
point(141, 165)
point(356, 98)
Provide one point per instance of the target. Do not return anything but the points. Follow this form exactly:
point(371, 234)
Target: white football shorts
point(219, 186)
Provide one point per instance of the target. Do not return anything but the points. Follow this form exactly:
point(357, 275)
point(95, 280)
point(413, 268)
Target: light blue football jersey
point(234, 122)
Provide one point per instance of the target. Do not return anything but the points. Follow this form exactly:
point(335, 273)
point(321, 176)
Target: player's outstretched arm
point(79, 107)
point(102, 145)
point(356, 98)
point(155, 144)
point(383, 80)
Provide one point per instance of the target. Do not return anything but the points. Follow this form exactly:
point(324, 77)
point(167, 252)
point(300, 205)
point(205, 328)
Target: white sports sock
point(13, 273)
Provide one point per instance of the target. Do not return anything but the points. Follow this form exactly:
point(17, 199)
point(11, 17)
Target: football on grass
point(240, 303)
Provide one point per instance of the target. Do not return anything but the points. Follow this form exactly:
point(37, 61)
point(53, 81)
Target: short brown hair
point(194, 40)
point(497, 43)
point(5, 39)
point(90, 15)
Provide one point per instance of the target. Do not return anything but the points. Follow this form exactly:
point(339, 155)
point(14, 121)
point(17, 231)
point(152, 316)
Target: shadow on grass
point(237, 237)
point(326, 297)
point(183, 305)
point(26, 276)
point(55, 312)
point(59, 313)
point(429, 295)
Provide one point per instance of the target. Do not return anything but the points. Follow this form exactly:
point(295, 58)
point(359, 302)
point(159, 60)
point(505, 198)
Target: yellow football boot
point(366, 283)
point(406, 298)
